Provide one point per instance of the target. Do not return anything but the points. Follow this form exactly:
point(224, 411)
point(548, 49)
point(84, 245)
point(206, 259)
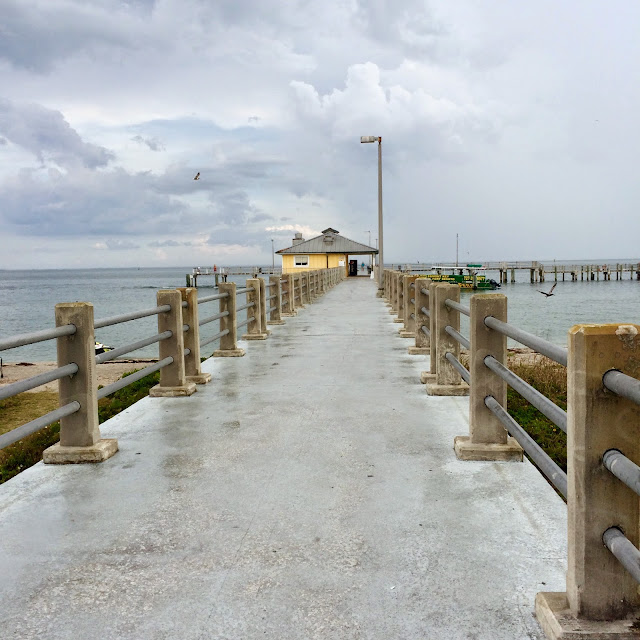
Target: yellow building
point(325, 251)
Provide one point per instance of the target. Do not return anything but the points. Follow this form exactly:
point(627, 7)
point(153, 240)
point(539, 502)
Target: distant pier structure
point(538, 271)
point(220, 274)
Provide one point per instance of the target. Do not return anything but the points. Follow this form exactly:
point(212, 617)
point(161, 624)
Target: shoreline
point(106, 373)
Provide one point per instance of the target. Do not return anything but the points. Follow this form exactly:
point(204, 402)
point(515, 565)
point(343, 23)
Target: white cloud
point(499, 121)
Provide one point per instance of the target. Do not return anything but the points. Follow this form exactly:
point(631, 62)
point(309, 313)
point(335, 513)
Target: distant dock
point(220, 274)
point(538, 271)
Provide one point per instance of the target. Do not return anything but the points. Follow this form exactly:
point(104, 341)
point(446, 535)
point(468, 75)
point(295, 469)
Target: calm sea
point(27, 300)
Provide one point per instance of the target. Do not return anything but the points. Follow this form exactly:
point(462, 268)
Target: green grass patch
point(27, 406)
point(551, 380)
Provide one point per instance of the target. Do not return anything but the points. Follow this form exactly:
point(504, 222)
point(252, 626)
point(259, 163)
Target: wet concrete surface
point(309, 491)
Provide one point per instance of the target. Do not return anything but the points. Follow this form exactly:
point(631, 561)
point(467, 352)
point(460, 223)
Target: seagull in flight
point(550, 292)
point(197, 176)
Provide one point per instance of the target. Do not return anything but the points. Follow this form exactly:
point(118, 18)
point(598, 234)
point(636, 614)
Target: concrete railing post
point(448, 381)
point(290, 299)
point(299, 292)
point(264, 305)
point(408, 293)
point(173, 381)
point(601, 599)
point(80, 439)
point(430, 376)
point(192, 369)
point(254, 314)
point(422, 343)
point(487, 439)
point(229, 342)
point(306, 287)
point(276, 303)
point(399, 298)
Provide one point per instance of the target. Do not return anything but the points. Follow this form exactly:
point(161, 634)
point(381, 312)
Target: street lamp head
point(369, 139)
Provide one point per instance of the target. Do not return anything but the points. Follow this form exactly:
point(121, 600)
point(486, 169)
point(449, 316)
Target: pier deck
point(309, 491)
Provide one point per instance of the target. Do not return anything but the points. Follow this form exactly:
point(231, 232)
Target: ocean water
point(27, 300)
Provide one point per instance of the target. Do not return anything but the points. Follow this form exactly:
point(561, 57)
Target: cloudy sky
point(514, 124)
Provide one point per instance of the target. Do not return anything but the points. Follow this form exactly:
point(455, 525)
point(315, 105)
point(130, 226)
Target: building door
point(353, 267)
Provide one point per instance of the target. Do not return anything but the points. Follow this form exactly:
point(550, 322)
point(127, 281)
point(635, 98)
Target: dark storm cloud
point(83, 202)
point(153, 143)
point(46, 134)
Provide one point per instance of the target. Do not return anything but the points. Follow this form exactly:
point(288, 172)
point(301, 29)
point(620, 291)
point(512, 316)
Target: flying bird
point(197, 176)
point(550, 293)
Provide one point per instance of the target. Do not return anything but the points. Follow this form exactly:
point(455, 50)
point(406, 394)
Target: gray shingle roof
point(329, 243)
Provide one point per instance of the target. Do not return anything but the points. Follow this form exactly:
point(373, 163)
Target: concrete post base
point(286, 314)
point(392, 312)
point(434, 389)
point(558, 623)
point(403, 333)
point(426, 377)
point(398, 320)
point(467, 450)
point(228, 353)
point(172, 392)
point(254, 336)
point(419, 351)
point(276, 321)
point(100, 451)
point(201, 378)
point(379, 293)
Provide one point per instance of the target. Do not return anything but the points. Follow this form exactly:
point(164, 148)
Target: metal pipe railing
point(552, 411)
point(134, 377)
point(458, 366)
point(215, 296)
point(622, 468)
point(549, 468)
point(244, 323)
point(213, 318)
point(624, 550)
point(425, 330)
point(126, 317)
point(29, 428)
point(245, 306)
point(622, 385)
point(546, 348)
point(27, 384)
point(128, 348)
point(452, 304)
point(219, 335)
point(426, 312)
point(458, 337)
point(23, 339)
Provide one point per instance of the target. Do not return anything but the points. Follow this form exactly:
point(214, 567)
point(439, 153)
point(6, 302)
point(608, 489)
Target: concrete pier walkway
point(309, 491)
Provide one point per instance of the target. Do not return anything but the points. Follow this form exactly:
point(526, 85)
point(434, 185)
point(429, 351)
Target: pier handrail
point(602, 419)
point(178, 361)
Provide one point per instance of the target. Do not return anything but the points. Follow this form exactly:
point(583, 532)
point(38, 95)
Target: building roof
point(330, 241)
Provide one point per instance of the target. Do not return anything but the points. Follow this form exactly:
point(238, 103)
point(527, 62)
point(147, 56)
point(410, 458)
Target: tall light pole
point(378, 139)
point(273, 258)
point(371, 256)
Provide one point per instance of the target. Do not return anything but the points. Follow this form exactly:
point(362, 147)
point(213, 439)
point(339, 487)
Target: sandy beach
point(107, 372)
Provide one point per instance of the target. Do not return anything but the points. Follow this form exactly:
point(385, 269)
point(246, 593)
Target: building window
point(301, 261)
